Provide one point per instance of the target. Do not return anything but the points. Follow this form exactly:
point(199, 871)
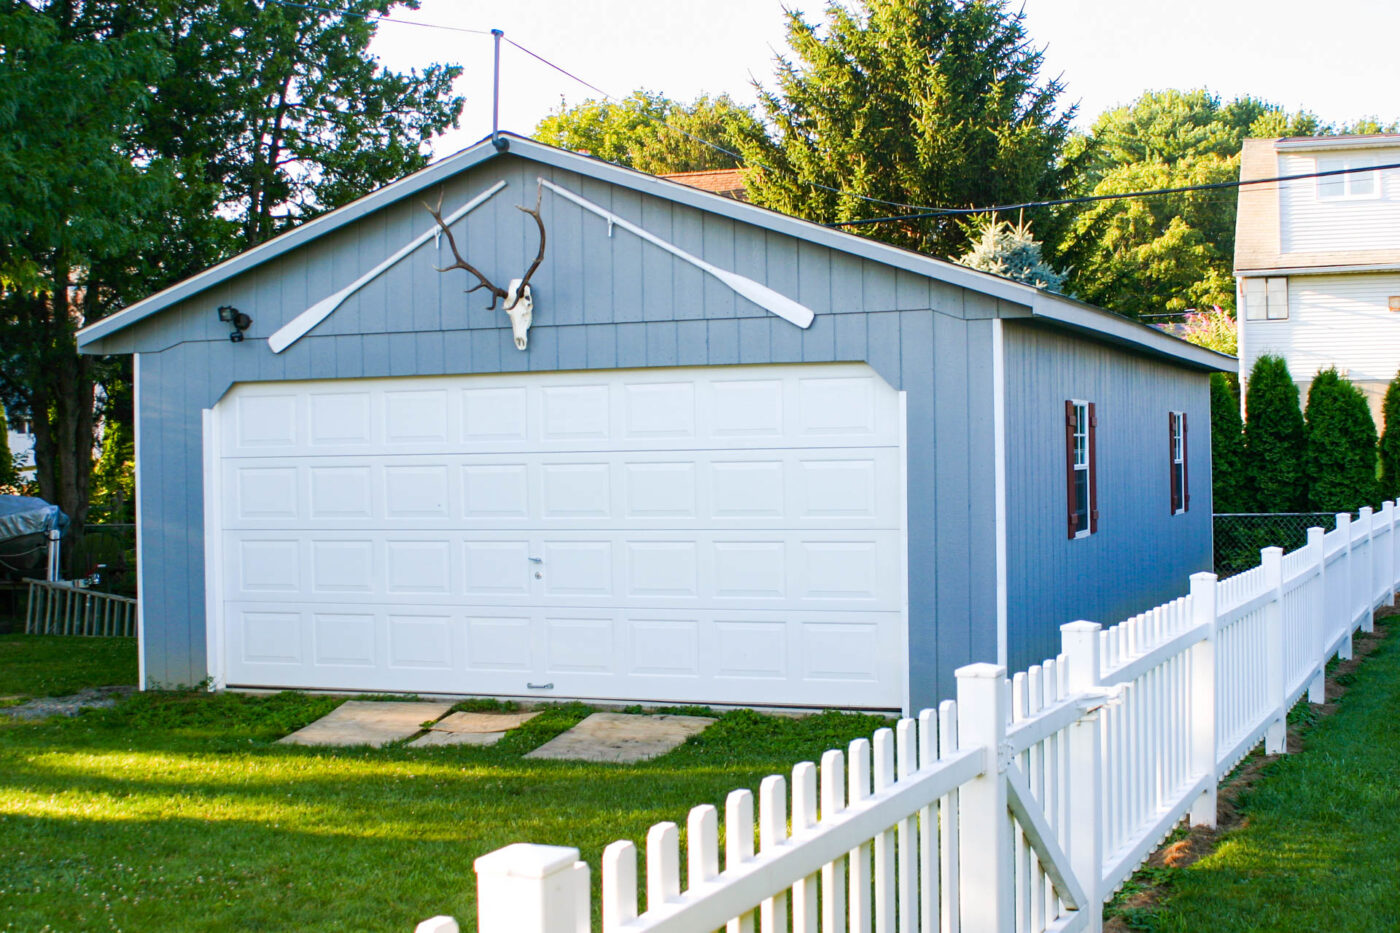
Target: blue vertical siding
point(1141, 555)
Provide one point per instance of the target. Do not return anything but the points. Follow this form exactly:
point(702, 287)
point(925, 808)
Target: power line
point(376, 18)
point(1087, 199)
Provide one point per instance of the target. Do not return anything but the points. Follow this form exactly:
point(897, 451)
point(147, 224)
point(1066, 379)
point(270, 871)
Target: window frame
point(1081, 456)
point(1178, 453)
point(1334, 163)
point(1273, 290)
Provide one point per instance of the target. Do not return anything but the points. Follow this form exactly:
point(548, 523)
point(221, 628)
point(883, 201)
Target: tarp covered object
point(26, 515)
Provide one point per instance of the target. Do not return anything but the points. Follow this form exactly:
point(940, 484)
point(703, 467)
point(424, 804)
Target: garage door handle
point(530, 686)
point(537, 560)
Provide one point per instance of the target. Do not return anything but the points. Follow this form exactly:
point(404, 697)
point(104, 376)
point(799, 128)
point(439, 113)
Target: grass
point(53, 665)
point(179, 811)
point(1319, 848)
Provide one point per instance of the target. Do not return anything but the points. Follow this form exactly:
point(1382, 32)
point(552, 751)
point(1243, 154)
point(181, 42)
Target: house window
point(1353, 185)
point(1081, 463)
point(1266, 299)
point(1176, 440)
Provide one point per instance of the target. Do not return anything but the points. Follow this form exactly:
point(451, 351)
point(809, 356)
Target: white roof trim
point(1268, 271)
point(1042, 303)
point(1306, 144)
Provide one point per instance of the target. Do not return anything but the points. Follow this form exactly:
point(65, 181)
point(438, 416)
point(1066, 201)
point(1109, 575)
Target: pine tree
point(1226, 446)
point(1390, 441)
point(1008, 249)
point(1341, 450)
point(1274, 439)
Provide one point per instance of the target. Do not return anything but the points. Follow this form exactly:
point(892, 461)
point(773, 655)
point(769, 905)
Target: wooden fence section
point(65, 609)
point(1020, 806)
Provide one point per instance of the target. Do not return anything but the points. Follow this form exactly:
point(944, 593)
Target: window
point(1081, 425)
point(1176, 440)
point(1266, 299)
point(1353, 185)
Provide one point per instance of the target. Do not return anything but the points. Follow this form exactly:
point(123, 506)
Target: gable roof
point(1042, 304)
point(726, 181)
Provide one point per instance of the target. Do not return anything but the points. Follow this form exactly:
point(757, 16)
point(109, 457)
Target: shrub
point(1390, 441)
point(1340, 464)
point(1274, 440)
point(1009, 249)
point(1226, 446)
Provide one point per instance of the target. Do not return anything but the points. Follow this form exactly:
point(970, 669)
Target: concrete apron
point(472, 729)
point(369, 722)
point(621, 737)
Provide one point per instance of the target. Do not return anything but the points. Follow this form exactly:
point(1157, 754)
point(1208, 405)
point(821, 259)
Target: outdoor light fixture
point(240, 321)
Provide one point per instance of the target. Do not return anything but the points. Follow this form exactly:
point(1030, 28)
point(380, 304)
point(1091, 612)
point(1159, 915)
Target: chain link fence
point(1240, 536)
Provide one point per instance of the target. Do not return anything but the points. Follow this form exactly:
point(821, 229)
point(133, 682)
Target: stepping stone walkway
point(621, 737)
point(369, 722)
point(472, 729)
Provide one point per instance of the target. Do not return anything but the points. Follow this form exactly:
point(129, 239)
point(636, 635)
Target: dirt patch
point(72, 705)
point(1190, 846)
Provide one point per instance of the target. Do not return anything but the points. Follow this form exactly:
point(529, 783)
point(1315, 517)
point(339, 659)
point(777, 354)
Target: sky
point(1337, 59)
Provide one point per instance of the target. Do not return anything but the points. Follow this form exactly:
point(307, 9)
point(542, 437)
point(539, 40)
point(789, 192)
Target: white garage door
point(716, 535)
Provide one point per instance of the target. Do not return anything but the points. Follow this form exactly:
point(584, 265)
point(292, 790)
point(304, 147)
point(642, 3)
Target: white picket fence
point(1020, 806)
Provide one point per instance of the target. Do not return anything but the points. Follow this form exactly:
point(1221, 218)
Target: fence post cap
point(1081, 626)
point(1204, 577)
point(523, 860)
point(980, 671)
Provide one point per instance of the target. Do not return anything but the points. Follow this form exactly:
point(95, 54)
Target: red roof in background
point(725, 181)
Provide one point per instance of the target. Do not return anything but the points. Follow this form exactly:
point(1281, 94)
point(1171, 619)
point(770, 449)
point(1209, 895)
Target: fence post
point(1345, 588)
point(1080, 643)
point(1202, 699)
point(1368, 571)
point(54, 572)
point(527, 888)
point(1393, 569)
point(1317, 610)
point(985, 829)
point(1275, 681)
point(1386, 559)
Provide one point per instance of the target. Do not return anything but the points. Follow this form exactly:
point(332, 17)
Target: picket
point(1020, 806)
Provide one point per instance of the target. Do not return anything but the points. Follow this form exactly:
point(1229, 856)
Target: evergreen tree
point(1390, 441)
point(914, 102)
point(1341, 450)
point(1228, 481)
point(1009, 250)
point(1274, 439)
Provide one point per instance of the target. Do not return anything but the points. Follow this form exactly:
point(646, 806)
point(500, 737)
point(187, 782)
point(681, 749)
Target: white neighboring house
point(1317, 260)
point(21, 445)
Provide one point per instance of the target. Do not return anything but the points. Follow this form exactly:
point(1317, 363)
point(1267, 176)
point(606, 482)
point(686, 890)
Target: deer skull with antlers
point(516, 299)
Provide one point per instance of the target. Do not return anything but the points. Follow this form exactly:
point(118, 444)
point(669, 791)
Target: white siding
point(1341, 320)
point(1310, 225)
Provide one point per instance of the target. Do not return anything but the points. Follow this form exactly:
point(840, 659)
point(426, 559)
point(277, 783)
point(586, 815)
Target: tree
point(1274, 439)
point(1214, 329)
point(1390, 441)
point(913, 102)
point(7, 457)
point(140, 143)
point(652, 133)
point(1341, 446)
point(1228, 477)
point(1167, 252)
point(1009, 250)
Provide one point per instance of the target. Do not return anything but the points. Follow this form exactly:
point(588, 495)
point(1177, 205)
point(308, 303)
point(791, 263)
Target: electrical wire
point(377, 18)
point(1087, 199)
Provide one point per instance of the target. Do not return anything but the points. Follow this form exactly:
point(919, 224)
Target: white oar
point(298, 326)
point(761, 295)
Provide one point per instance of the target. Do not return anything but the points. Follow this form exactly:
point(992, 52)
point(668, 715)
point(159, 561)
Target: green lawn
point(1320, 846)
point(177, 811)
point(53, 665)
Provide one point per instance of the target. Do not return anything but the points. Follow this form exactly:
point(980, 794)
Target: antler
point(539, 257)
point(460, 263)
point(482, 281)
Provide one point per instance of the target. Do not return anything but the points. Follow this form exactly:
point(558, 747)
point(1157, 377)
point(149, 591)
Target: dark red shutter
point(1093, 470)
point(1069, 466)
point(1185, 469)
point(1171, 462)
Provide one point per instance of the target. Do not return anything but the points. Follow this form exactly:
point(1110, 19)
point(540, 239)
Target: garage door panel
point(675, 535)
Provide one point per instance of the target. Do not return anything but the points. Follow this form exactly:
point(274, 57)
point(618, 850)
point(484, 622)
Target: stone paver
point(621, 737)
point(472, 728)
point(366, 722)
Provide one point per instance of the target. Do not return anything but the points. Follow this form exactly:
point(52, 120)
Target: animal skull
point(520, 306)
